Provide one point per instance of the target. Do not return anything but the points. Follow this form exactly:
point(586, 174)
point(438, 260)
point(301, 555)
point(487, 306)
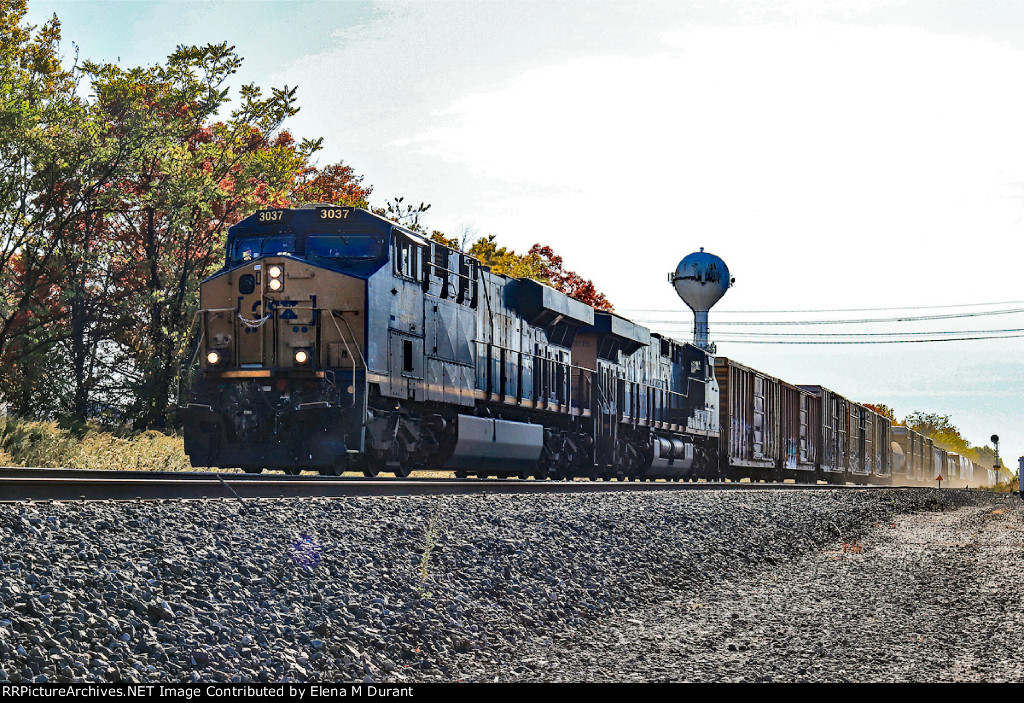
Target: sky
point(860, 154)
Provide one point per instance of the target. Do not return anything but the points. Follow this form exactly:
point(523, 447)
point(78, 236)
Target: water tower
point(701, 280)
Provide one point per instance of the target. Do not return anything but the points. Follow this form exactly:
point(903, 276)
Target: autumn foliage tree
point(569, 282)
point(117, 188)
point(114, 207)
point(883, 410)
point(169, 217)
point(54, 161)
point(336, 184)
point(539, 263)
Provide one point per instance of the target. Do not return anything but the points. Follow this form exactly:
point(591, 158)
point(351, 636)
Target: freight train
point(335, 340)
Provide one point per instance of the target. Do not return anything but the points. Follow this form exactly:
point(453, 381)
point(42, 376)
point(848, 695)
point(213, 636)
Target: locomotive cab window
point(246, 248)
point(347, 246)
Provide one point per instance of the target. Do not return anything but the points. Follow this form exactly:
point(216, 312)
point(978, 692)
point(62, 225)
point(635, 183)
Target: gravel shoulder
point(707, 585)
point(932, 596)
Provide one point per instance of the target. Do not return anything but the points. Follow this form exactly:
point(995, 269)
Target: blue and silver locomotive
point(336, 340)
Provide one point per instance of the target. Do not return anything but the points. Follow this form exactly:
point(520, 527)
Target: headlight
point(274, 271)
point(301, 356)
point(275, 284)
point(213, 358)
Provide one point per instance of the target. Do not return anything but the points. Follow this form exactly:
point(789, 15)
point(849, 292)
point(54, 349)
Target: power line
point(871, 341)
point(861, 334)
point(918, 318)
point(902, 307)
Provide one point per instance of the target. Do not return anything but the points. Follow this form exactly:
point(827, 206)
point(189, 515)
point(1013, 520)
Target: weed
point(430, 539)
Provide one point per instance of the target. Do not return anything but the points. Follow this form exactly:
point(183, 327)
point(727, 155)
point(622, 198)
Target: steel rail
point(18, 485)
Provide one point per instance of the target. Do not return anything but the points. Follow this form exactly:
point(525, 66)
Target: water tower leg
point(700, 328)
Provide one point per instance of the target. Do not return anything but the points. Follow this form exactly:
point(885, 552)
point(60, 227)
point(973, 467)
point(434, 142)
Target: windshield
point(349, 246)
point(245, 248)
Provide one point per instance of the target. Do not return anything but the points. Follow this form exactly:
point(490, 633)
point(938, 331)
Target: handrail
point(366, 380)
point(347, 348)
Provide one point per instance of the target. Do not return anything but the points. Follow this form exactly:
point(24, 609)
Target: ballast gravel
point(709, 585)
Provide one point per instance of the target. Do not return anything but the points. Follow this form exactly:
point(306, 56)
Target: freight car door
point(759, 412)
point(803, 428)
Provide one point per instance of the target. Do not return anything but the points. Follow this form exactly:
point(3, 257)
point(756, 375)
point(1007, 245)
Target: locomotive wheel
point(370, 465)
point(337, 467)
point(403, 470)
point(252, 469)
point(461, 474)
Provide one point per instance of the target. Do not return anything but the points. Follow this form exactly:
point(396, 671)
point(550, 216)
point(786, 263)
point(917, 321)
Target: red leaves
point(337, 184)
point(569, 282)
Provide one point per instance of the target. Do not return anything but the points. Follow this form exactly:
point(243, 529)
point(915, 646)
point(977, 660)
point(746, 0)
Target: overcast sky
point(841, 155)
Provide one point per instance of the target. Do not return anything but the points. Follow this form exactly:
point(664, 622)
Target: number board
point(270, 217)
point(301, 217)
point(333, 213)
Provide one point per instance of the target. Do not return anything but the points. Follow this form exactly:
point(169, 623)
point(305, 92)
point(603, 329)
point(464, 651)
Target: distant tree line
point(941, 429)
point(114, 206)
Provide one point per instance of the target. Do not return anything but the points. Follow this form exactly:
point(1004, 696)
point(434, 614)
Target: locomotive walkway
point(67, 484)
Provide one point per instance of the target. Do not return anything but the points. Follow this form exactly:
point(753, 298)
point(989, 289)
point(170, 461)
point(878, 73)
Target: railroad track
point(20, 484)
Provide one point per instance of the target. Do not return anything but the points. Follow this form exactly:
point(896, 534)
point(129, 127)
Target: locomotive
point(336, 340)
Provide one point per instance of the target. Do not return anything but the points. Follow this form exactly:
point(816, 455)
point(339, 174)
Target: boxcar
point(749, 416)
point(800, 422)
point(910, 442)
point(882, 443)
point(833, 442)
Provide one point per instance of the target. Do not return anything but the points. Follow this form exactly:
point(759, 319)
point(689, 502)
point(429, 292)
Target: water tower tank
point(701, 280)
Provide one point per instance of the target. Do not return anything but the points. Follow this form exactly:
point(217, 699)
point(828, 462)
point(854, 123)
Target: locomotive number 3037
point(334, 214)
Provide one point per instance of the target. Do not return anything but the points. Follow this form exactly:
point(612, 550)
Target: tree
point(336, 184)
point(505, 261)
point(941, 429)
point(407, 215)
point(55, 159)
point(167, 219)
point(541, 264)
point(569, 282)
point(114, 207)
point(883, 410)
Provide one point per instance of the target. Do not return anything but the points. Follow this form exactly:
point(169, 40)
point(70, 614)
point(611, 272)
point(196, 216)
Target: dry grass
point(49, 445)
